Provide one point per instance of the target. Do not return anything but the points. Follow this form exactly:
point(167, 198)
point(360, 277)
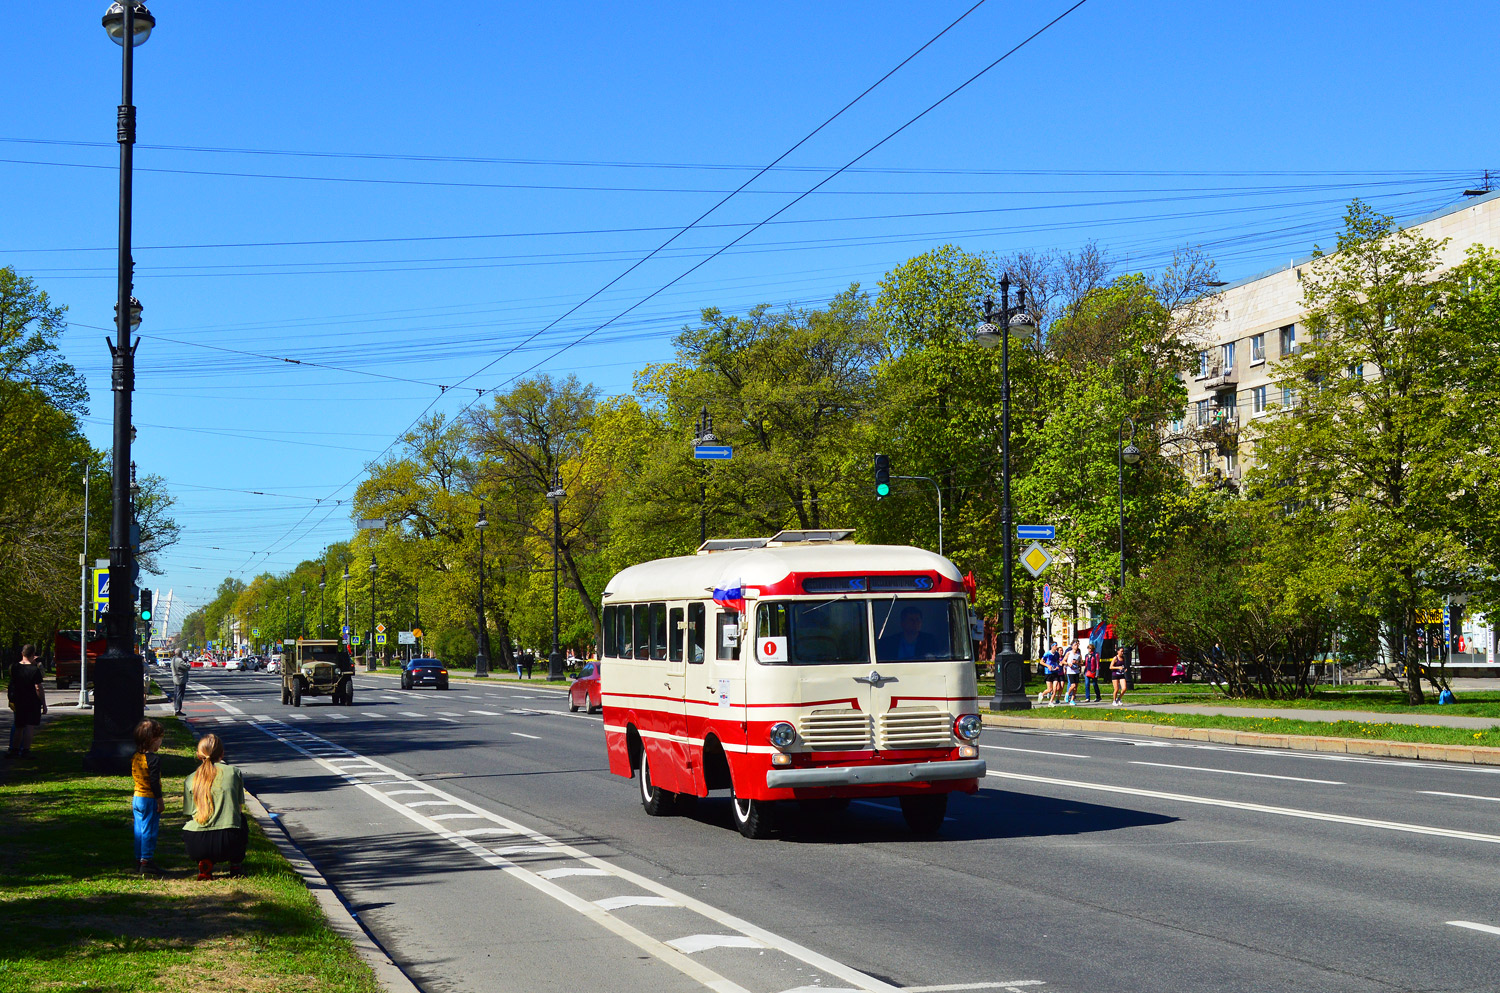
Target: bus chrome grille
point(844, 729)
point(915, 727)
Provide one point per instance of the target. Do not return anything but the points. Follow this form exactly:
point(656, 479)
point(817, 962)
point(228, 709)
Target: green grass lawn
point(1276, 725)
point(75, 917)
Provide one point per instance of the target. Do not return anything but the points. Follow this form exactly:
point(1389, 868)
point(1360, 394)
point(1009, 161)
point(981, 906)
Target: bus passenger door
point(671, 772)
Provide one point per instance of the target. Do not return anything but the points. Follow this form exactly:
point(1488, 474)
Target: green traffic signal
point(882, 476)
point(145, 605)
point(882, 489)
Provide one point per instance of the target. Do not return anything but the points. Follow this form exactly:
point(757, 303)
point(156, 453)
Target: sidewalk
point(1299, 714)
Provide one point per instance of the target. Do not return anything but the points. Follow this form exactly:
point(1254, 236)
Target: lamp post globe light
point(482, 655)
point(1010, 674)
point(118, 672)
point(370, 650)
point(555, 497)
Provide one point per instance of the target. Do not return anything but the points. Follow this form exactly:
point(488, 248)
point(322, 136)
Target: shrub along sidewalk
point(74, 916)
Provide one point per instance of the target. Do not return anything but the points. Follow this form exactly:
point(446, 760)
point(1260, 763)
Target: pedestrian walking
point(1119, 673)
point(181, 670)
point(147, 803)
point(1091, 675)
point(1051, 668)
point(530, 661)
point(1072, 666)
point(27, 698)
point(216, 829)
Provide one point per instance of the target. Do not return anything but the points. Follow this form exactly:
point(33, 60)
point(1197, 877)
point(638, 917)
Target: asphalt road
point(479, 836)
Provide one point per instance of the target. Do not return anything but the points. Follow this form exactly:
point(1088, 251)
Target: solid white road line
point(1037, 751)
point(1463, 796)
point(531, 736)
point(955, 987)
point(1311, 815)
point(1472, 926)
point(1235, 772)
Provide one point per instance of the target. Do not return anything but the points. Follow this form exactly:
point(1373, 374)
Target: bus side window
point(729, 636)
point(622, 631)
point(659, 631)
point(695, 632)
point(773, 620)
point(643, 630)
point(607, 649)
point(674, 634)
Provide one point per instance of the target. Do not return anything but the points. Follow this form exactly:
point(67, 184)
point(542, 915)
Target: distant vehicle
point(319, 668)
point(234, 664)
point(584, 693)
point(65, 655)
point(424, 672)
point(274, 666)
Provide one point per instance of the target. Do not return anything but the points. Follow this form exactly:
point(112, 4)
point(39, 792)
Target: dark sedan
point(424, 672)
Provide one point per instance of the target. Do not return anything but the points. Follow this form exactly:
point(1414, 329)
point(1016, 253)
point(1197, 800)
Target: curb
point(1466, 754)
point(340, 918)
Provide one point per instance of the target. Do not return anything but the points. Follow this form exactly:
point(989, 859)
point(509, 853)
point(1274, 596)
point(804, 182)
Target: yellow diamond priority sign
point(380, 628)
point(1035, 559)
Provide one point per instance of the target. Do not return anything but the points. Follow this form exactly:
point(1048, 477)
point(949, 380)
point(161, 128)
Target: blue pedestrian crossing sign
point(255, 632)
point(101, 586)
point(380, 638)
point(355, 639)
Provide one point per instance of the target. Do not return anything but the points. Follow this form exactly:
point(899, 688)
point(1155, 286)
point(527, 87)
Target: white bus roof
point(688, 577)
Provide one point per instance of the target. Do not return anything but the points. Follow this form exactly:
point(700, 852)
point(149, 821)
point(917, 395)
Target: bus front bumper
point(876, 775)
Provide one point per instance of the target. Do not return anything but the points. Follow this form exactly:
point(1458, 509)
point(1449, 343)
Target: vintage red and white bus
point(798, 667)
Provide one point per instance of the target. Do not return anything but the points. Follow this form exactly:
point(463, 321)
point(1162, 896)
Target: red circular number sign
point(770, 648)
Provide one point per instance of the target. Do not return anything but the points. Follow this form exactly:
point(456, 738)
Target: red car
point(584, 693)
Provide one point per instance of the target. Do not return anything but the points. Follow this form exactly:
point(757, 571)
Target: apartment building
point(1258, 322)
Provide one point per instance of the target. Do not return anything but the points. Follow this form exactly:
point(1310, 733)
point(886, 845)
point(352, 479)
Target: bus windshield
point(818, 632)
point(908, 630)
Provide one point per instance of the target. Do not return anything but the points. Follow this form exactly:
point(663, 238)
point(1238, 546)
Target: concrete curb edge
point(387, 973)
point(1467, 754)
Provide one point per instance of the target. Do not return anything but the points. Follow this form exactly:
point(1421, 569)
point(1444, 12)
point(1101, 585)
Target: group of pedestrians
point(1065, 669)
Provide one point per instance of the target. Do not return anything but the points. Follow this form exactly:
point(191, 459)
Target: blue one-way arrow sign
point(713, 452)
point(1036, 532)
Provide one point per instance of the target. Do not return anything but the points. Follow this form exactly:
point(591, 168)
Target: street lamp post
point(117, 674)
point(344, 635)
point(302, 627)
point(555, 497)
point(286, 620)
point(322, 585)
point(1010, 676)
point(370, 658)
point(705, 436)
point(482, 656)
point(1128, 455)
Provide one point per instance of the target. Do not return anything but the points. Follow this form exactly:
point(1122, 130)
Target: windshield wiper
point(888, 613)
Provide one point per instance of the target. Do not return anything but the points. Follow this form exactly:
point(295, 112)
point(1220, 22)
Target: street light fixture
point(322, 584)
point(555, 497)
point(1010, 677)
point(344, 635)
point(1129, 455)
point(482, 656)
point(705, 436)
point(117, 674)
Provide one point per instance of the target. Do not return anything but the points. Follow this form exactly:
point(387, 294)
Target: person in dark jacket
point(27, 699)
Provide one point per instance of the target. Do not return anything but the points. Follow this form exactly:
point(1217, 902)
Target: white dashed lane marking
point(531, 736)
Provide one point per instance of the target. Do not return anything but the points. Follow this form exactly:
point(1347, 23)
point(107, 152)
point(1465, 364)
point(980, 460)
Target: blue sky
point(601, 127)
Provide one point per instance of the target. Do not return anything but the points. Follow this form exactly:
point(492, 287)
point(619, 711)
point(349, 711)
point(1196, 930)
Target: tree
point(1367, 436)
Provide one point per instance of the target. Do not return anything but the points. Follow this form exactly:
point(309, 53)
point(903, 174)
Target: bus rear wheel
point(657, 801)
point(924, 814)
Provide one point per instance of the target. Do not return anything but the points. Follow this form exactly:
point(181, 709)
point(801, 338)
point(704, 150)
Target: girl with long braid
point(216, 830)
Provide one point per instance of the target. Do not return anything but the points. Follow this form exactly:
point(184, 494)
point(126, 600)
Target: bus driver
point(911, 642)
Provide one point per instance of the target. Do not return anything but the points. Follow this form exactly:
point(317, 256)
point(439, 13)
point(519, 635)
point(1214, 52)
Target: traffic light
point(882, 476)
point(145, 604)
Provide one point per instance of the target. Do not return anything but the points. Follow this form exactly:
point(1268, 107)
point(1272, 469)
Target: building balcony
point(1219, 377)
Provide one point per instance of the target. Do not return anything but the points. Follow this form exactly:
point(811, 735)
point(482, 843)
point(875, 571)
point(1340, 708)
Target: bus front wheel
point(754, 818)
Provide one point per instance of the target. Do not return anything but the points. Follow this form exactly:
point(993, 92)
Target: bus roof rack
point(732, 544)
point(793, 537)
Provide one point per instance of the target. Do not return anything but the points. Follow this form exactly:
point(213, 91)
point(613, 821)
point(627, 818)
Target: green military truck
point(317, 668)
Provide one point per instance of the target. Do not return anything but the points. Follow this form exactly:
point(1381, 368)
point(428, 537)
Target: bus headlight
point(968, 727)
point(782, 735)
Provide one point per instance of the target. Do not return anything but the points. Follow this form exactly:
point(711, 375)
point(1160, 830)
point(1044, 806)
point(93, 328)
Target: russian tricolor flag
point(730, 596)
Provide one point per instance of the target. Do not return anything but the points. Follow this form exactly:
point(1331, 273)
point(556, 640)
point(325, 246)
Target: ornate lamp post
point(482, 657)
point(555, 497)
point(117, 674)
point(1010, 675)
point(705, 436)
point(322, 585)
point(302, 628)
point(346, 632)
point(370, 658)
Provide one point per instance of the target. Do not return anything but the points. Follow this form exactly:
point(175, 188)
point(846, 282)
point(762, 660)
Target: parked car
point(424, 672)
point(585, 692)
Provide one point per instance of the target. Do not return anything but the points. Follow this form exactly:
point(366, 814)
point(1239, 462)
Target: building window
point(1231, 463)
point(1205, 461)
point(1202, 364)
point(1288, 397)
point(1258, 399)
point(1258, 348)
point(1226, 358)
point(1176, 425)
point(1289, 339)
point(1357, 371)
point(1201, 408)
